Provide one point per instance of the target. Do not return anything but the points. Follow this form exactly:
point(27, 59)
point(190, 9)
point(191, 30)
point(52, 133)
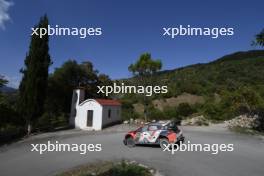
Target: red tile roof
point(108, 102)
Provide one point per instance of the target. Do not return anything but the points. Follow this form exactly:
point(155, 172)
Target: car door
point(149, 134)
point(153, 133)
point(142, 136)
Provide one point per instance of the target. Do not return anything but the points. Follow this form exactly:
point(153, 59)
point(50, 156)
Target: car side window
point(145, 128)
point(139, 129)
point(153, 128)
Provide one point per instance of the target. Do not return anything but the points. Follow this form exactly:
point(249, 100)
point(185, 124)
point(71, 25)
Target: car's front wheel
point(163, 143)
point(130, 142)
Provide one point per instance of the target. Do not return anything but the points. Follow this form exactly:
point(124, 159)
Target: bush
point(184, 109)
point(109, 169)
point(44, 123)
point(10, 132)
point(242, 101)
point(8, 116)
point(128, 111)
point(172, 113)
point(129, 114)
point(260, 120)
point(212, 111)
point(176, 113)
point(260, 123)
point(155, 114)
point(127, 170)
point(50, 121)
point(11, 124)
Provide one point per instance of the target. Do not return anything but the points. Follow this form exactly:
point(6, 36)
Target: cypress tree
point(33, 87)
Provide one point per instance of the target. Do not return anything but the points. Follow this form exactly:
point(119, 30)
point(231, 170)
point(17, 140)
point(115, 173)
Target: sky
point(130, 28)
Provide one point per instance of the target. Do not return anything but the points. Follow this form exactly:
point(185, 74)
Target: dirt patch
point(175, 101)
point(196, 121)
point(139, 108)
point(172, 102)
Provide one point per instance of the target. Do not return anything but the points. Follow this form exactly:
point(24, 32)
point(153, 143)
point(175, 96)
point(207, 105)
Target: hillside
point(6, 89)
point(227, 73)
point(214, 81)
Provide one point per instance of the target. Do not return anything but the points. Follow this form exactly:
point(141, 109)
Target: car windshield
point(139, 129)
point(154, 127)
point(172, 126)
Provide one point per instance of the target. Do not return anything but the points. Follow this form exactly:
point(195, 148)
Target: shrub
point(242, 101)
point(106, 168)
point(127, 170)
point(171, 112)
point(184, 109)
point(49, 121)
point(128, 111)
point(44, 123)
point(260, 120)
point(10, 132)
point(9, 116)
point(212, 111)
point(155, 114)
point(129, 114)
point(260, 123)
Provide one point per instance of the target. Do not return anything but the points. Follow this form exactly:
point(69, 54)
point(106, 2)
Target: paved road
point(246, 160)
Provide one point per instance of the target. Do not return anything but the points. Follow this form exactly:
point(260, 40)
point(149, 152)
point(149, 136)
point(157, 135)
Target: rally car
point(161, 133)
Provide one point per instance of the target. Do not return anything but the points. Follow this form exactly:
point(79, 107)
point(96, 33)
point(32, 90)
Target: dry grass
point(172, 102)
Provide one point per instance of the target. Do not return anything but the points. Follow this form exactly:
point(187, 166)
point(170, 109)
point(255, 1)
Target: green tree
point(259, 39)
point(68, 77)
point(32, 89)
point(128, 110)
point(2, 81)
point(104, 80)
point(244, 100)
point(143, 70)
point(145, 65)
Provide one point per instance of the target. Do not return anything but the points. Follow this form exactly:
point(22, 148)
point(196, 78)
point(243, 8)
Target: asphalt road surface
point(247, 159)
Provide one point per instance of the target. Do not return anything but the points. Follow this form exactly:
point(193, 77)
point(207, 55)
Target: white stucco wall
point(115, 114)
point(77, 97)
point(79, 112)
point(81, 115)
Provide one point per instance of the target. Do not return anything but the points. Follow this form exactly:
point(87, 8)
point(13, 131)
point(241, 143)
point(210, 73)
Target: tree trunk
point(29, 128)
point(145, 115)
point(145, 109)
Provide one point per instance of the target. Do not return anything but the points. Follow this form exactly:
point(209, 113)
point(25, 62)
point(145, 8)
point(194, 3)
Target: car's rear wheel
point(163, 143)
point(130, 142)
